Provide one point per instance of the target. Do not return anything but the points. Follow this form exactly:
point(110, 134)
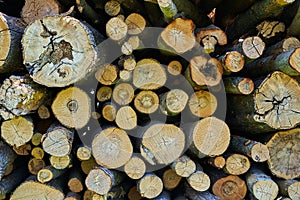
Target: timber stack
point(149, 99)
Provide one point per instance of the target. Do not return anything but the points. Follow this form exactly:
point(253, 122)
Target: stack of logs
point(90, 111)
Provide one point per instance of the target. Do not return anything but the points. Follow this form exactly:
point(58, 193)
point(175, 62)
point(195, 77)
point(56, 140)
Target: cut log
point(202, 104)
point(178, 37)
point(109, 112)
point(49, 173)
point(126, 118)
point(217, 162)
point(58, 140)
point(61, 162)
point(72, 107)
point(44, 112)
point(204, 71)
point(232, 61)
point(11, 30)
point(287, 62)
point(238, 85)
point(268, 29)
point(17, 131)
point(210, 36)
point(104, 93)
point(184, 166)
point(268, 108)
point(261, 185)
point(107, 74)
point(76, 181)
point(35, 165)
point(102, 177)
point(123, 94)
point(133, 194)
point(36, 139)
point(199, 180)
point(83, 152)
point(116, 29)
point(162, 143)
point(31, 189)
point(10, 182)
point(38, 153)
point(135, 168)
point(7, 157)
point(129, 62)
point(168, 8)
point(135, 23)
point(258, 12)
point(173, 102)
point(21, 96)
point(253, 149)
point(51, 54)
point(112, 8)
point(150, 186)
point(250, 47)
point(125, 75)
point(170, 179)
point(88, 11)
point(284, 45)
point(174, 68)
point(23, 150)
point(284, 159)
point(211, 137)
point(112, 148)
point(146, 102)
point(230, 187)
point(237, 164)
point(34, 10)
point(290, 188)
point(149, 74)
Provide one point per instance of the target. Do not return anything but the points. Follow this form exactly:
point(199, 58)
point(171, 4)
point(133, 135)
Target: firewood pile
point(150, 99)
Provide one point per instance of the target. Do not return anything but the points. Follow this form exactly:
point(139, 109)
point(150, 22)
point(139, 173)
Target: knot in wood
point(229, 187)
point(72, 105)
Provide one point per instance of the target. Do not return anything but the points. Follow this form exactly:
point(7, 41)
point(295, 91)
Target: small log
point(199, 180)
point(238, 85)
point(168, 8)
point(76, 181)
point(174, 68)
point(104, 93)
point(126, 118)
point(21, 96)
point(11, 30)
point(102, 177)
point(174, 102)
point(230, 187)
point(72, 107)
point(284, 159)
point(232, 61)
point(52, 56)
point(268, 108)
point(258, 12)
point(126, 48)
point(204, 71)
point(192, 194)
point(61, 162)
point(123, 94)
point(58, 140)
point(183, 166)
point(7, 157)
point(162, 143)
point(22, 150)
point(88, 165)
point(116, 29)
point(250, 47)
point(34, 10)
point(38, 153)
point(17, 131)
point(83, 152)
point(289, 188)
point(210, 137)
point(150, 186)
point(136, 23)
point(207, 5)
point(125, 75)
point(72, 196)
point(287, 62)
point(253, 149)
point(171, 179)
point(35, 165)
point(133, 194)
point(284, 45)
point(261, 185)
point(179, 28)
point(129, 62)
point(135, 168)
point(107, 74)
point(49, 173)
point(202, 104)
point(210, 36)
point(149, 74)
point(217, 162)
point(237, 164)
point(44, 112)
point(109, 112)
point(146, 102)
point(112, 8)
point(88, 11)
point(10, 182)
point(31, 189)
point(112, 148)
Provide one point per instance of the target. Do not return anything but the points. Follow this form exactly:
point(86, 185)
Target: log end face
point(260, 153)
point(294, 60)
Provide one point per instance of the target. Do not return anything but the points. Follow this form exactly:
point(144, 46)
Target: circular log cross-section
point(253, 47)
point(202, 103)
point(150, 186)
point(123, 94)
point(126, 118)
point(112, 148)
point(284, 150)
point(277, 101)
point(162, 143)
point(237, 164)
point(55, 56)
point(170, 179)
point(146, 102)
point(107, 74)
point(135, 168)
point(72, 107)
point(184, 166)
point(199, 181)
point(232, 61)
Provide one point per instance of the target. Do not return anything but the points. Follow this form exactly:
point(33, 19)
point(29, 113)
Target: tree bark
point(287, 44)
point(7, 157)
point(238, 85)
point(289, 188)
